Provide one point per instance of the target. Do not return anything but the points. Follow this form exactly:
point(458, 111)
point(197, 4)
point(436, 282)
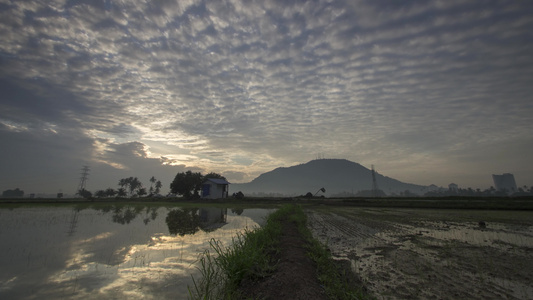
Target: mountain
point(335, 175)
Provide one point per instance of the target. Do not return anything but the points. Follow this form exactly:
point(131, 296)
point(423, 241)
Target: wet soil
point(431, 254)
point(295, 274)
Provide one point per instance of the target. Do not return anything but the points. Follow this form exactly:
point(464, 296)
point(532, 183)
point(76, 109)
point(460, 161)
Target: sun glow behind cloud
point(203, 84)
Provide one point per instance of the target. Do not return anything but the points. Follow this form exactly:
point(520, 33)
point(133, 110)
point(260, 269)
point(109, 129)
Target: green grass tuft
point(248, 258)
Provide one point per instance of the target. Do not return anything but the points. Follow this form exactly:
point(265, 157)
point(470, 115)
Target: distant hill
point(335, 175)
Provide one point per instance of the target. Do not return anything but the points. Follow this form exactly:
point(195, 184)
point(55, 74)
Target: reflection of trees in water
point(153, 215)
point(180, 221)
point(125, 214)
point(183, 221)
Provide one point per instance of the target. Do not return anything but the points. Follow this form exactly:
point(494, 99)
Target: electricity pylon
point(83, 179)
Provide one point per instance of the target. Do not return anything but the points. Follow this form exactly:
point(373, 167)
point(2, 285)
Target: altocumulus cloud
point(430, 92)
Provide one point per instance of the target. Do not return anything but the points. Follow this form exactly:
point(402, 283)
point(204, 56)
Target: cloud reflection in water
point(59, 252)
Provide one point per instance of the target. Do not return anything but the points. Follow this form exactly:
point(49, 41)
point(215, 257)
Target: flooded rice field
point(110, 251)
point(432, 254)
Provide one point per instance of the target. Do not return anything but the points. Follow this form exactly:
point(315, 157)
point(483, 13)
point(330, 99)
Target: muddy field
point(432, 254)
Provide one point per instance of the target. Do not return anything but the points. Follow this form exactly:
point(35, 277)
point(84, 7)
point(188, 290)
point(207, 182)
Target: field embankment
point(281, 260)
point(487, 203)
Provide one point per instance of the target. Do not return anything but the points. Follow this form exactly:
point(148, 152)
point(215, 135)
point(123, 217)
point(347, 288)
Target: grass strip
point(250, 257)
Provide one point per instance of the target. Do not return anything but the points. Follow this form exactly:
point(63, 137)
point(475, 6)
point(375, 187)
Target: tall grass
point(249, 257)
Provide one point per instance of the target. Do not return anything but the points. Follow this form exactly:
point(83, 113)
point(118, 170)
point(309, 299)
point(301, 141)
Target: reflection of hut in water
point(212, 218)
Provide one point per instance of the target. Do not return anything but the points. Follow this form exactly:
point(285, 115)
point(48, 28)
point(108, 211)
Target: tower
point(83, 179)
point(505, 183)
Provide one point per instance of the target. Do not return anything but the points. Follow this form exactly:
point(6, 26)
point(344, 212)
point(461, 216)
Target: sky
point(429, 92)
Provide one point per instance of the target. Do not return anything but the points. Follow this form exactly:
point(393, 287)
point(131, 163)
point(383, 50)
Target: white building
point(505, 182)
point(215, 188)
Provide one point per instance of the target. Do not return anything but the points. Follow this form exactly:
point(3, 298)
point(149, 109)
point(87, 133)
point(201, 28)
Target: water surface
point(110, 251)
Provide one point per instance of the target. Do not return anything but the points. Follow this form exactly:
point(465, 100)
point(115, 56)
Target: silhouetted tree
point(152, 182)
point(141, 192)
point(158, 186)
point(100, 194)
point(85, 194)
point(123, 183)
point(214, 175)
point(238, 195)
point(186, 184)
point(131, 183)
point(109, 192)
point(121, 192)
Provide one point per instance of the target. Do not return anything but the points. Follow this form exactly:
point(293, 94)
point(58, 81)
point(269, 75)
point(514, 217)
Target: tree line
point(187, 184)
point(128, 187)
point(16, 193)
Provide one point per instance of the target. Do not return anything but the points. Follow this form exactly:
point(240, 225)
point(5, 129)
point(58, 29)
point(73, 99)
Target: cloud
point(202, 83)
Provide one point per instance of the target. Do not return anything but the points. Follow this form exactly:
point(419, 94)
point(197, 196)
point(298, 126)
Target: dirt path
point(295, 275)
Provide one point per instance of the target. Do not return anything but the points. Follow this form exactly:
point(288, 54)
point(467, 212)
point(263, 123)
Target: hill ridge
point(335, 175)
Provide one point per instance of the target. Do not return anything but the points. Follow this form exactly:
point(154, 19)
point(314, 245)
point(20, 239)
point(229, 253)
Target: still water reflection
point(113, 251)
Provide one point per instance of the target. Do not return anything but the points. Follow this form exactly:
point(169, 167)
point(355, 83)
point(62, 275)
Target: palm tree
point(134, 184)
point(141, 192)
point(158, 186)
point(152, 181)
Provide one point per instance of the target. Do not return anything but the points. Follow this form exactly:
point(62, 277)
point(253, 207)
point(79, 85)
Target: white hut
point(215, 188)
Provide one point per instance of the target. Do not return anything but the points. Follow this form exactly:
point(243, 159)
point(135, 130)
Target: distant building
point(215, 188)
point(453, 187)
point(432, 188)
point(505, 182)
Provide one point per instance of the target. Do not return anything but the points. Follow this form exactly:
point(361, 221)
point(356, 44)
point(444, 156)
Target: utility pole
point(83, 179)
point(375, 188)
